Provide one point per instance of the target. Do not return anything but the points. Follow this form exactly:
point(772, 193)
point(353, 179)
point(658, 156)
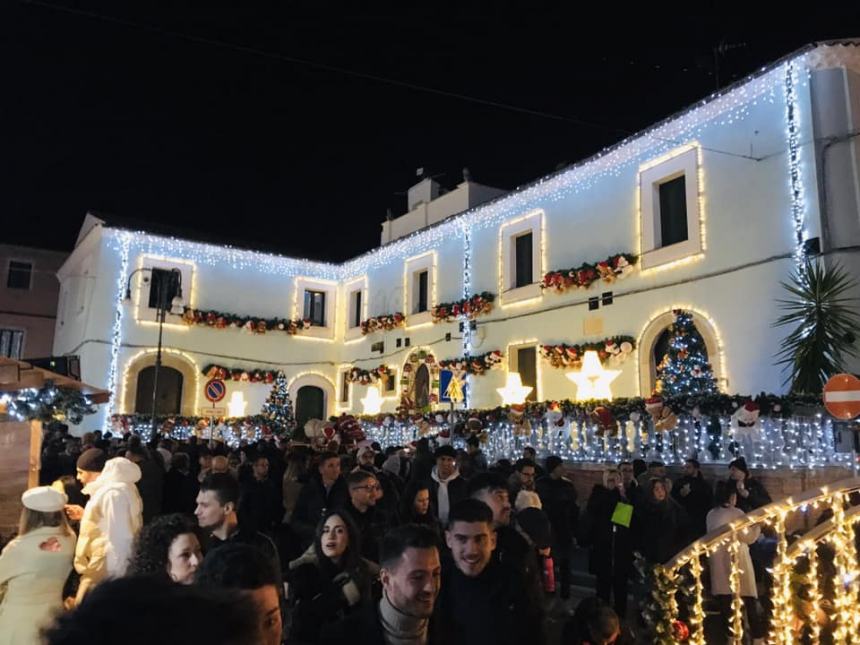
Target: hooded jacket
point(111, 520)
point(444, 493)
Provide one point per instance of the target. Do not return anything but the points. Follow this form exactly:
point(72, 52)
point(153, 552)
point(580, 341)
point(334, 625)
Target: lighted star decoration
point(514, 392)
point(236, 406)
point(592, 380)
point(372, 403)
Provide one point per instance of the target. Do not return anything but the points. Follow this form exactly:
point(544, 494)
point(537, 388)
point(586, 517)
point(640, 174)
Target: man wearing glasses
point(364, 492)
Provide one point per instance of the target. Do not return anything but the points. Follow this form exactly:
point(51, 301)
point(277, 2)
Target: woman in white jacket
point(34, 566)
point(110, 522)
point(720, 562)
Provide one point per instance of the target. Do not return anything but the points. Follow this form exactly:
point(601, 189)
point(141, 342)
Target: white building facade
point(717, 203)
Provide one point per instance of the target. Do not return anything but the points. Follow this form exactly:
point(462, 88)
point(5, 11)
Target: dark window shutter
point(527, 367)
point(422, 291)
point(523, 260)
point(673, 211)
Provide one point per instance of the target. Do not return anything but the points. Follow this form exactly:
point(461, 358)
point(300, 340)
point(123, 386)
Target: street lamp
point(170, 283)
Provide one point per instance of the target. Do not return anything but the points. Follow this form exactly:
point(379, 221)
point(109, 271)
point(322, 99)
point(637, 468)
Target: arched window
point(421, 389)
point(168, 398)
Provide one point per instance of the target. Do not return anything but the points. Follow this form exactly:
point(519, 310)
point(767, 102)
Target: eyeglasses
point(370, 487)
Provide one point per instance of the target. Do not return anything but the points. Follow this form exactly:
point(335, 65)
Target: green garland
point(617, 348)
point(253, 324)
point(609, 270)
point(50, 403)
point(471, 307)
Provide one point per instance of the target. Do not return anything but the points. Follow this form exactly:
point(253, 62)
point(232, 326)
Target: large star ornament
point(592, 381)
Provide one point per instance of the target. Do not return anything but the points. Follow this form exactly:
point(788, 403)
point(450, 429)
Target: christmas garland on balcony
point(237, 374)
point(221, 320)
point(472, 307)
point(366, 377)
point(609, 270)
point(386, 322)
point(475, 365)
point(616, 350)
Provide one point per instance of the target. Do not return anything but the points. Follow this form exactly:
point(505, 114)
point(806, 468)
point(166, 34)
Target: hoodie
point(111, 520)
point(445, 493)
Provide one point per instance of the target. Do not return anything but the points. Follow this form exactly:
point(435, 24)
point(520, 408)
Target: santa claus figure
point(746, 429)
point(663, 421)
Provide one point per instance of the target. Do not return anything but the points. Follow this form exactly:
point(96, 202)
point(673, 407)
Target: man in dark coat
point(695, 496)
point(482, 600)
point(260, 507)
point(558, 497)
point(325, 489)
point(446, 485)
point(364, 491)
point(180, 486)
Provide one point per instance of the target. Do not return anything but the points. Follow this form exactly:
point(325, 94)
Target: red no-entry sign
point(842, 396)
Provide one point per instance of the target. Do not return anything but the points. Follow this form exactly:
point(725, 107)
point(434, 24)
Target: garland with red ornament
point(386, 322)
point(475, 365)
point(238, 374)
point(609, 270)
point(615, 350)
point(366, 377)
point(471, 307)
point(253, 324)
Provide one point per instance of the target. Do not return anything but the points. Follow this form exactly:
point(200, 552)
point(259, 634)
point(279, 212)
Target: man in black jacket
point(695, 496)
point(558, 497)
point(364, 491)
point(325, 489)
point(446, 485)
point(482, 600)
point(260, 508)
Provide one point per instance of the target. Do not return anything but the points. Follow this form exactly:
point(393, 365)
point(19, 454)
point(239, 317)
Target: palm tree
point(826, 325)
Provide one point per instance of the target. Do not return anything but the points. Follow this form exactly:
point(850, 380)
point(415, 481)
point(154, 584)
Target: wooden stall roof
point(19, 375)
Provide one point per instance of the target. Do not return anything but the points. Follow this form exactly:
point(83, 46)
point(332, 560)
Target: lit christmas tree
point(685, 369)
point(278, 408)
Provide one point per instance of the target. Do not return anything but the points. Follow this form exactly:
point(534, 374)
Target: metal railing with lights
point(814, 585)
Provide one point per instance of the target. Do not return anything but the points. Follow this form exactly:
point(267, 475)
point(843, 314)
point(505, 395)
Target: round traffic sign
point(215, 390)
point(842, 396)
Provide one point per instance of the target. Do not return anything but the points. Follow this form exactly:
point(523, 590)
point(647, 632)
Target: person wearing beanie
point(34, 566)
point(558, 499)
point(751, 493)
point(446, 485)
point(110, 521)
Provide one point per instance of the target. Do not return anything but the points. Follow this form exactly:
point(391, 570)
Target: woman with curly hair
point(167, 547)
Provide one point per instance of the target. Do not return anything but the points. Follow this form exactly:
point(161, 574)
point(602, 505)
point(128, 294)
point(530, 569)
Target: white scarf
point(399, 628)
point(442, 499)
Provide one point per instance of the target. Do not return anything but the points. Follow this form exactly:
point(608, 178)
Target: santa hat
point(654, 402)
point(751, 406)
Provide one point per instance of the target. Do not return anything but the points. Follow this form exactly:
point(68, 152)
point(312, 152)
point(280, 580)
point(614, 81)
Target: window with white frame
point(670, 208)
point(420, 285)
point(521, 258)
point(314, 307)
point(11, 343)
point(19, 274)
point(389, 382)
point(316, 300)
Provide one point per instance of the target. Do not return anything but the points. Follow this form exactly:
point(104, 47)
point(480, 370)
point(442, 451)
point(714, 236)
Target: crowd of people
point(287, 543)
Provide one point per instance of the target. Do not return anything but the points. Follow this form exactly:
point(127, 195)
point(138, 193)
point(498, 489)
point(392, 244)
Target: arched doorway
point(421, 387)
point(168, 398)
point(310, 404)
point(661, 345)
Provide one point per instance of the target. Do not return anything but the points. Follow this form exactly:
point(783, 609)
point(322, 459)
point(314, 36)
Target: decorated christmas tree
point(278, 408)
point(685, 369)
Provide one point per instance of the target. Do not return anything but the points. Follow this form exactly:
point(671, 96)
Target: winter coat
point(317, 596)
point(151, 488)
point(372, 525)
point(457, 489)
point(260, 506)
point(422, 466)
point(757, 497)
point(491, 608)
point(558, 497)
point(720, 560)
point(180, 492)
point(610, 545)
point(111, 520)
point(662, 529)
point(291, 490)
point(313, 502)
point(696, 503)
point(33, 568)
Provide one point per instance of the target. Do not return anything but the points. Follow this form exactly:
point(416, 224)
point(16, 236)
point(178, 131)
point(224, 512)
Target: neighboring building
point(719, 202)
point(28, 300)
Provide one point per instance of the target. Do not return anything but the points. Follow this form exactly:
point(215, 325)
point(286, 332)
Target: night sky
point(263, 127)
